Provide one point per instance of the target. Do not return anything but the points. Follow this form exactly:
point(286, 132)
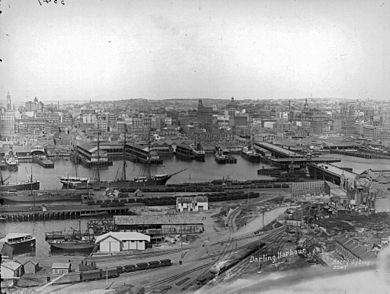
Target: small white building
point(10, 272)
point(61, 268)
point(190, 204)
point(11, 269)
point(119, 241)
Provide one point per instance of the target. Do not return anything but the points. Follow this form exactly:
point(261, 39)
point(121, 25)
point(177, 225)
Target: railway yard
point(239, 240)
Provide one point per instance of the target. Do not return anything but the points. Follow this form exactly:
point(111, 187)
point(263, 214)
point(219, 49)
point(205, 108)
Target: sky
point(111, 50)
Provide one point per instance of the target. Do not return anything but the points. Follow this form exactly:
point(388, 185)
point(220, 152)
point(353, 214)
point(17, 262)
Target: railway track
point(173, 278)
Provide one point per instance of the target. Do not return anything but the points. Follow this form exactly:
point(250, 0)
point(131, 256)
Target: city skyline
point(249, 50)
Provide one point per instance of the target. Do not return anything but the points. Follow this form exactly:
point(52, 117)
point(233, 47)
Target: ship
point(123, 183)
point(198, 152)
point(73, 245)
point(11, 160)
point(250, 155)
point(223, 156)
point(72, 182)
point(184, 152)
point(220, 157)
point(189, 152)
point(18, 243)
point(9, 187)
point(41, 196)
point(76, 241)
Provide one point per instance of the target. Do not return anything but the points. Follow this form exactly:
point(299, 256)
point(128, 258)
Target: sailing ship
point(9, 187)
point(123, 183)
point(156, 180)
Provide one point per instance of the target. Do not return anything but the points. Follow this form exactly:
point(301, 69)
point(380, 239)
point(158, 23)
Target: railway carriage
point(91, 275)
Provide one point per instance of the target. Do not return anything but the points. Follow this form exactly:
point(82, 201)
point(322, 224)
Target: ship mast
point(124, 156)
point(149, 156)
point(98, 163)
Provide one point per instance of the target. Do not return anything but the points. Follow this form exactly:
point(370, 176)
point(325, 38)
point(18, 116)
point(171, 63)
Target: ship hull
point(21, 187)
point(184, 156)
point(220, 160)
point(24, 247)
point(27, 198)
point(252, 158)
point(72, 246)
point(122, 184)
point(199, 157)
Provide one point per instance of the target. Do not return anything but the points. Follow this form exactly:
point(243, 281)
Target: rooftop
point(337, 170)
point(65, 265)
point(12, 265)
point(278, 149)
point(124, 236)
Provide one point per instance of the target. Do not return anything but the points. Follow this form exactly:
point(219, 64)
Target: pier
point(277, 151)
point(302, 161)
point(43, 161)
point(42, 213)
point(331, 173)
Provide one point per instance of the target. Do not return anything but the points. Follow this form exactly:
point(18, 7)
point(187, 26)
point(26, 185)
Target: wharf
point(43, 161)
point(361, 154)
point(59, 212)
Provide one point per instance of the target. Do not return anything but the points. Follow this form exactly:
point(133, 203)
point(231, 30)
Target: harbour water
point(195, 171)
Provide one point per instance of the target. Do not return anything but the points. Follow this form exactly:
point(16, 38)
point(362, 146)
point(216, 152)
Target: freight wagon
point(114, 272)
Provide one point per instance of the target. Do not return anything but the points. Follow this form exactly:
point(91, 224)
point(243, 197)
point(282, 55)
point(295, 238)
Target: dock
point(43, 161)
point(61, 212)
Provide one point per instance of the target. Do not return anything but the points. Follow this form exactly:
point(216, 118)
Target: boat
point(75, 241)
point(184, 152)
point(123, 183)
point(24, 186)
point(219, 156)
point(18, 243)
point(250, 155)
point(71, 182)
point(41, 196)
point(11, 160)
point(198, 152)
point(190, 152)
point(223, 156)
point(73, 245)
point(249, 152)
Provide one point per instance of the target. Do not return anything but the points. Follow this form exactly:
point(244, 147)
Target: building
point(205, 116)
point(119, 241)
point(34, 105)
point(165, 224)
point(7, 123)
point(91, 155)
point(61, 268)
point(9, 104)
point(352, 250)
point(10, 272)
point(31, 267)
point(192, 204)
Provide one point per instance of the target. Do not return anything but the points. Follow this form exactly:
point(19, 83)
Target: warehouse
point(119, 241)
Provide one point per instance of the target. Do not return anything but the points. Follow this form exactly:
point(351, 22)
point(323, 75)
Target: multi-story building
point(7, 123)
point(205, 116)
point(34, 105)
